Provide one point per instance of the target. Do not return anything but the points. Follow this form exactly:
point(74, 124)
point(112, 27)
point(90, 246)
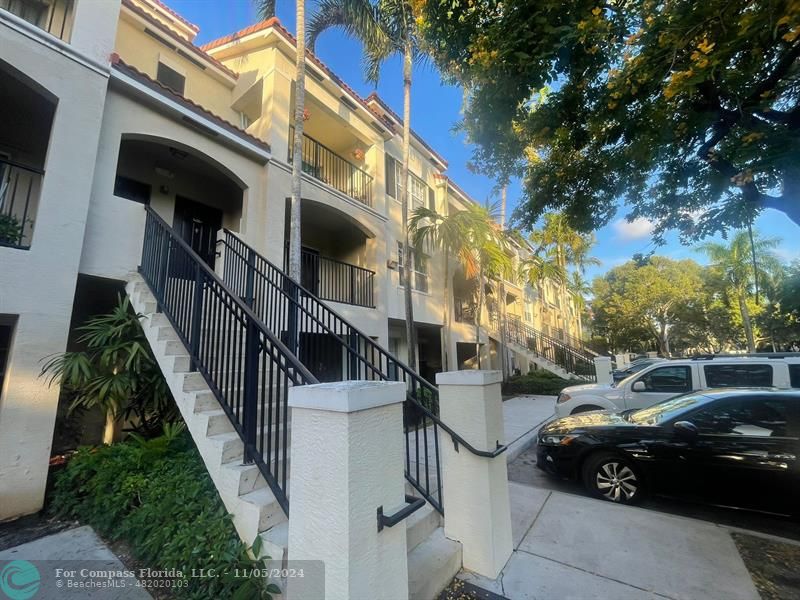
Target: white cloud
point(634, 230)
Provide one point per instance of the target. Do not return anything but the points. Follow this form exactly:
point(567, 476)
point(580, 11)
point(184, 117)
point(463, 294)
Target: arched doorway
point(192, 191)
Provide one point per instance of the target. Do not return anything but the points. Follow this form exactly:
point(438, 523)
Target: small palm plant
point(117, 373)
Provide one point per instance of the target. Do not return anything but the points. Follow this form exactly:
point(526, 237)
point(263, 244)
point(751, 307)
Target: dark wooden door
point(198, 225)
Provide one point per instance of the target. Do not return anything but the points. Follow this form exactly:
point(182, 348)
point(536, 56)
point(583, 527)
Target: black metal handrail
point(306, 324)
point(335, 280)
point(324, 164)
point(53, 16)
point(247, 368)
point(574, 361)
point(19, 202)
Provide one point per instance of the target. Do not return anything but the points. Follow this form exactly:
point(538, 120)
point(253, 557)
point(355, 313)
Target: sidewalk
point(569, 547)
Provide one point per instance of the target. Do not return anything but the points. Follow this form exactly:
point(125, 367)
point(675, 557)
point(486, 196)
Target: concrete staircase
point(433, 560)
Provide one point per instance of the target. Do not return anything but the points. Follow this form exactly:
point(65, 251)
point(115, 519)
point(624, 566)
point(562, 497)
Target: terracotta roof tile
point(186, 44)
point(191, 26)
point(120, 65)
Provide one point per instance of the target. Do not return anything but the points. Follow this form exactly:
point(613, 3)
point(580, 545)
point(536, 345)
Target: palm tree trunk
point(748, 326)
point(478, 314)
point(446, 305)
point(295, 243)
point(411, 337)
point(502, 316)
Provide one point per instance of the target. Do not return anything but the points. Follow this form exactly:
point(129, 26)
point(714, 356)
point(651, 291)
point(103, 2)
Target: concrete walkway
point(71, 550)
point(568, 547)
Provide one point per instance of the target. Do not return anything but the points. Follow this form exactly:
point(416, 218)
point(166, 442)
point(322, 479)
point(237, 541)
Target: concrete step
point(420, 525)
point(261, 507)
point(432, 564)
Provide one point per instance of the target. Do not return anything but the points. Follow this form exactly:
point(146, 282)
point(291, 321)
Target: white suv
point(669, 378)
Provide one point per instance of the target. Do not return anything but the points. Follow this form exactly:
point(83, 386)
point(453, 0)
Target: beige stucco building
point(108, 106)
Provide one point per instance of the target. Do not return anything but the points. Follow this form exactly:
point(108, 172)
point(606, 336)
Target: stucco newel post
point(602, 367)
point(477, 511)
point(347, 460)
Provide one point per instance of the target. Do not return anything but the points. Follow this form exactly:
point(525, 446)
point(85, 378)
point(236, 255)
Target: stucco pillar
point(347, 461)
point(602, 368)
point(477, 512)
point(622, 361)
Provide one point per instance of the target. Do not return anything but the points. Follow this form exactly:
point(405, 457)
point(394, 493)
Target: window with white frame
point(419, 269)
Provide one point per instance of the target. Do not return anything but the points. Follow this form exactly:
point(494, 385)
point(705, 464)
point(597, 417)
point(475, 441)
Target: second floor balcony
point(53, 16)
point(335, 280)
point(19, 201)
point(327, 166)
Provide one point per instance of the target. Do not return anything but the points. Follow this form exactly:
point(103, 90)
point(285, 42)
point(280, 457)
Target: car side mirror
point(685, 429)
point(639, 386)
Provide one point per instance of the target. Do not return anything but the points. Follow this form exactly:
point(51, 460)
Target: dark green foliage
point(157, 496)
point(539, 382)
point(10, 229)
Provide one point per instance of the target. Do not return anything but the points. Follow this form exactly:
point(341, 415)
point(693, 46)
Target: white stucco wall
point(38, 284)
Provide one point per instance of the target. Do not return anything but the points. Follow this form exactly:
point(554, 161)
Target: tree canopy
point(688, 111)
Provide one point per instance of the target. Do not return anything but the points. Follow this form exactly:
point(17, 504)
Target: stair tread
point(259, 497)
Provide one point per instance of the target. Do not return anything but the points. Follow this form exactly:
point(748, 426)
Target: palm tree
point(385, 28)
point(565, 245)
point(450, 234)
point(738, 264)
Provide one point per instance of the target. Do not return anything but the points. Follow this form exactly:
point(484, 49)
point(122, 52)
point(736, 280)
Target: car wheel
point(585, 408)
point(611, 477)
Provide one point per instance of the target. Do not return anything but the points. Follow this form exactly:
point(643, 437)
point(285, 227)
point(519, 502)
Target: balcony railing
point(465, 311)
point(334, 280)
point(324, 164)
point(19, 201)
point(54, 16)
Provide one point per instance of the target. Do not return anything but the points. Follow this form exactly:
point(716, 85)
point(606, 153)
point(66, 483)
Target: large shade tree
point(689, 111)
point(386, 28)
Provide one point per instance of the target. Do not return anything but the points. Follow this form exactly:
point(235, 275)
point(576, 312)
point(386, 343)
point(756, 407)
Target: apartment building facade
point(111, 110)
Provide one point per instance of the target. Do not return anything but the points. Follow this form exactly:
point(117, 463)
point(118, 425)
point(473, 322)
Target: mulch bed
point(462, 590)
point(773, 565)
point(30, 528)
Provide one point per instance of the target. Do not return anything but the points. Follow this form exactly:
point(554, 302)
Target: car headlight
point(562, 397)
point(557, 440)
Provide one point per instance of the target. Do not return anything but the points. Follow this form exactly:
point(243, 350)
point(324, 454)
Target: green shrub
point(539, 382)
point(157, 496)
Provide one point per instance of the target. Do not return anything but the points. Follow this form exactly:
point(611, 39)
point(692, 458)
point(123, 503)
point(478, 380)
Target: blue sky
point(435, 108)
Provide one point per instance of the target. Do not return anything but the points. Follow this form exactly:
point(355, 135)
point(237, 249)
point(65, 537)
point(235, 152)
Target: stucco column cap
point(469, 377)
point(347, 396)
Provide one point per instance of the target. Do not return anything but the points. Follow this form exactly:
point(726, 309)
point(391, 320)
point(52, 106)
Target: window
point(6, 331)
point(128, 188)
point(419, 269)
point(794, 375)
point(668, 380)
point(171, 78)
point(420, 272)
point(391, 176)
point(751, 416)
point(431, 199)
point(738, 375)
point(244, 120)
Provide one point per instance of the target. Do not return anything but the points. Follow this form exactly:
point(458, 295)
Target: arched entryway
point(27, 112)
point(190, 190)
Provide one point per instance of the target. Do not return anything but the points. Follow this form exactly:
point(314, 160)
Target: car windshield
point(666, 410)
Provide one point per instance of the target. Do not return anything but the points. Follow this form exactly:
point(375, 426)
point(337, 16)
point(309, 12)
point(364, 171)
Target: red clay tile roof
point(120, 65)
point(182, 41)
point(227, 39)
point(191, 26)
point(374, 97)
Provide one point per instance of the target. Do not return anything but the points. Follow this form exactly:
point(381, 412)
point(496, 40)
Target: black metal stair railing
point(247, 368)
point(334, 349)
point(577, 362)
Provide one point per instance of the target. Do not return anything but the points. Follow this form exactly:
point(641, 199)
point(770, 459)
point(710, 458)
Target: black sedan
point(734, 447)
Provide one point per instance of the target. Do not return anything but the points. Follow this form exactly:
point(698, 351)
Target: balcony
point(53, 16)
point(464, 310)
point(335, 280)
point(19, 201)
point(324, 164)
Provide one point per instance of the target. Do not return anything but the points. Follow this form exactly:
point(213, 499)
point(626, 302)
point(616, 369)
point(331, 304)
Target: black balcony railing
point(324, 164)
point(19, 202)
point(54, 16)
point(335, 280)
point(246, 367)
